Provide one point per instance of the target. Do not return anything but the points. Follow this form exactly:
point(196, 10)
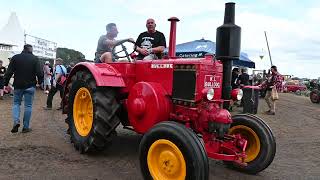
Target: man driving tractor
point(149, 45)
point(106, 43)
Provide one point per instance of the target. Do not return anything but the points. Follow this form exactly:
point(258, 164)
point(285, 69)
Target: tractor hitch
point(231, 148)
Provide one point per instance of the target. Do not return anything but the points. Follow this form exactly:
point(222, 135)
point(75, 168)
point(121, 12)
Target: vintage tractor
point(178, 105)
point(315, 93)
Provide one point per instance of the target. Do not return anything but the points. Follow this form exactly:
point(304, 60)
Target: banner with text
point(41, 47)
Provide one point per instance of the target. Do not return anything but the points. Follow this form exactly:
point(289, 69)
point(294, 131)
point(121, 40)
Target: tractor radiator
point(184, 83)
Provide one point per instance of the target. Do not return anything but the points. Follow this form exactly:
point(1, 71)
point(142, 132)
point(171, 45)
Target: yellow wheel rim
point(83, 111)
point(166, 161)
point(253, 145)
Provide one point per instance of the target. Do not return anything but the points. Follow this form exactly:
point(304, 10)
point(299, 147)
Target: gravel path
point(46, 152)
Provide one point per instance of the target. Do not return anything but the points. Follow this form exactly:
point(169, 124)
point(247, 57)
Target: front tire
point(261, 148)
point(173, 152)
point(91, 117)
point(315, 96)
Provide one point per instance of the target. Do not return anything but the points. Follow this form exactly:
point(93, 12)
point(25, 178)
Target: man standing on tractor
point(150, 44)
point(106, 43)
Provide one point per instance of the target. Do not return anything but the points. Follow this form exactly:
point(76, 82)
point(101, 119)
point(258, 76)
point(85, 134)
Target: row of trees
point(68, 56)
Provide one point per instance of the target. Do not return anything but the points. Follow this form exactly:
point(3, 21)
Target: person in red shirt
point(273, 82)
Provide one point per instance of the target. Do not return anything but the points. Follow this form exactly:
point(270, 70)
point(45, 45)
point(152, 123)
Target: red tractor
point(178, 105)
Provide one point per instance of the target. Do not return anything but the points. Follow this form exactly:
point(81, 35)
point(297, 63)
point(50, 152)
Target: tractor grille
point(184, 83)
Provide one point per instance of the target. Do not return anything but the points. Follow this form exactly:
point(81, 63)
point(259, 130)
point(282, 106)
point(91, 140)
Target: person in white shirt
point(58, 83)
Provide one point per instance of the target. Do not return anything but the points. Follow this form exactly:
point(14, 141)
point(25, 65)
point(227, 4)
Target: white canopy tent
point(12, 38)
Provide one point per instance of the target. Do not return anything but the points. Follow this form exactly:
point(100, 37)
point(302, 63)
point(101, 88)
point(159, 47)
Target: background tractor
point(315, 92)
point(178, 105)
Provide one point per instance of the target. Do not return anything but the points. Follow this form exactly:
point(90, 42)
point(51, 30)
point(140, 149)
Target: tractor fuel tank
point(148, 104)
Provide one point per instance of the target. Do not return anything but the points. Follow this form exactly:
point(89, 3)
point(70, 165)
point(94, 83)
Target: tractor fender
point(148, 104)
point(104, 74)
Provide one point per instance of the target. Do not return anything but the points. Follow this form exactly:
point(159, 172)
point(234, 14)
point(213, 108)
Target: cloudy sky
point(292, 26)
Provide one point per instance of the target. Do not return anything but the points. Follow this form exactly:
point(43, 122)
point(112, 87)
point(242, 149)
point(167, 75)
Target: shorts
point(47, 81)
point(150, 57)
point(97, 58)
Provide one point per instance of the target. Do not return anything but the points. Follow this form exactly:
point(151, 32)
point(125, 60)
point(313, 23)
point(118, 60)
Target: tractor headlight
point(236, 94)
point(210, 94)
point(239, 95)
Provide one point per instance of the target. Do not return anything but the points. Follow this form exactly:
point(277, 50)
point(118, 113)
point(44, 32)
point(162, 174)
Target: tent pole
point(25, 38)
point(265, 33)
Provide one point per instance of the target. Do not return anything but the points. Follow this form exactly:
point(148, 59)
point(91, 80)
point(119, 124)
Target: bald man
point(150, 44)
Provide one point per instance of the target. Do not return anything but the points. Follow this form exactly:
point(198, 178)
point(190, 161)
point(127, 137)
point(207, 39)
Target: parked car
point(294, 87)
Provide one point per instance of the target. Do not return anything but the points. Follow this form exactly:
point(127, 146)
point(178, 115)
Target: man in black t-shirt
point(150, 44)
point(69, 68)
point(2, 72)
point(235, 78)
point(244, 78)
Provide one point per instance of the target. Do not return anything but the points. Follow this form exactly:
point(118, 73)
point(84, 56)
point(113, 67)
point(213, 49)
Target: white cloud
point(294, 43)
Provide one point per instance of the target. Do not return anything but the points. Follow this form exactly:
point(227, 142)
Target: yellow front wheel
point(261, 147)
point(171, 151)
point(253, 146)
point(166, 161)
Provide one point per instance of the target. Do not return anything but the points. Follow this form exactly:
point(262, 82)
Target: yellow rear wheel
point(83, 111)
point(92, 111)
point(166, 161)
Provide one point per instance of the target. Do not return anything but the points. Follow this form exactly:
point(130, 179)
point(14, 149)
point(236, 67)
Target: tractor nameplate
point(161, 66)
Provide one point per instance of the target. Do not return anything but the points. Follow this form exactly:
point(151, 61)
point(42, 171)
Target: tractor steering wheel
point(124, 48)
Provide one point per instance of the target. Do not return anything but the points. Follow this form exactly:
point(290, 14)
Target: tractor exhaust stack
point(228, 41)
point(173, 33)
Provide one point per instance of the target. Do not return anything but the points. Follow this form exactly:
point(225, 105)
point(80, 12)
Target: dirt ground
point(46, 152)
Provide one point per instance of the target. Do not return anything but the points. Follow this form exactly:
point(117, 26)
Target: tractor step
point(128, 127)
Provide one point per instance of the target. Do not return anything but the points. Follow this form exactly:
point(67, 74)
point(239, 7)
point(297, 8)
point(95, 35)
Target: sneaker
point(47, 108)
point(59, 108)
point(271, 113)
point(267, 111)
point(26, 130)
point(68, 131)
point(15, 128)
point(1, 97)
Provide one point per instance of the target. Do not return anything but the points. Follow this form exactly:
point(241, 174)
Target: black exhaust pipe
point(228, 41)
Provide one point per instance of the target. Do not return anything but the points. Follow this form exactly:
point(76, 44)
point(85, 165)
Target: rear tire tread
point(105, 119)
